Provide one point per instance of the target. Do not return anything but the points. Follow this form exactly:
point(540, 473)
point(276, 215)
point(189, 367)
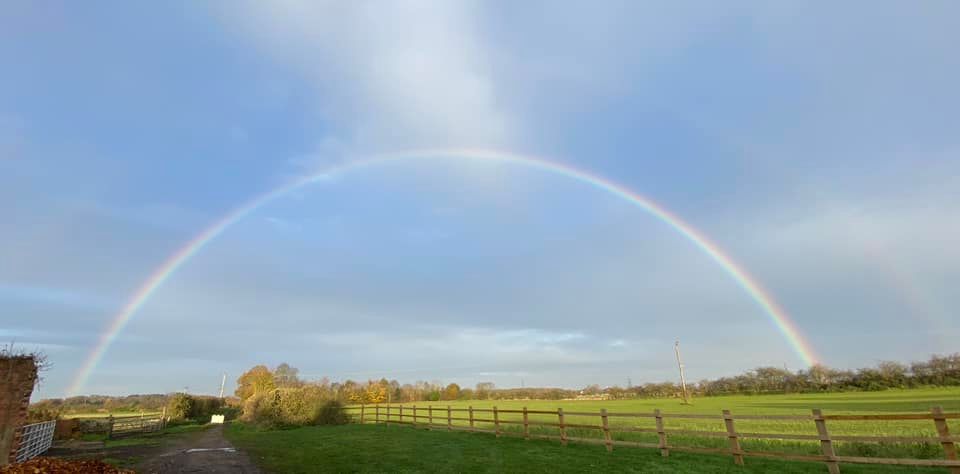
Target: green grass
point(125, 463)
point(118, 414)
point(379, 448)
point(183, 428)
point(891, 401)
point(888, 401)
point(169, 433)
point(145, 440)
point(166, 436)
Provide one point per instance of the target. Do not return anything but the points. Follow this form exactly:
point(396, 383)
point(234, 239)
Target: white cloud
point(387, 74)
point(381, 75)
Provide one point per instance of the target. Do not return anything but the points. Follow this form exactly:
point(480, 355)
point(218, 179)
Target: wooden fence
point(119, 427)
point(482, 419)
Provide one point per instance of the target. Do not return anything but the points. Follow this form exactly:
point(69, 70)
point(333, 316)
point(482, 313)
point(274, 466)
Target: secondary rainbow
point(753, 288)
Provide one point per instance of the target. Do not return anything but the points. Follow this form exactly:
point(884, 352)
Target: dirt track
point(207, 451)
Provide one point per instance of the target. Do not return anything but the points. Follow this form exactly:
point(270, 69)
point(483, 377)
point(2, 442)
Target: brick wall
point(17, 378)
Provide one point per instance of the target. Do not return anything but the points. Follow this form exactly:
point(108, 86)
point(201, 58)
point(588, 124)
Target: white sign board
point(216, 419)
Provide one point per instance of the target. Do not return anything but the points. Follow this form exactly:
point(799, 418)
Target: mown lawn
point(887, 401)
point(379, 448)
point(890, 401)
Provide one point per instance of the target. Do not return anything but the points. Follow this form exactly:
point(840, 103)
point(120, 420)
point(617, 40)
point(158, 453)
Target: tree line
point(936, 371)
point(104, 403)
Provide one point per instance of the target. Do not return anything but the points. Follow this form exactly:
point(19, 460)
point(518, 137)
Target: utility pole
point(223, 382)
point(683, 382)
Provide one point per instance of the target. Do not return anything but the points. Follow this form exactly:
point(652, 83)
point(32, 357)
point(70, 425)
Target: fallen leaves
point(44, 465)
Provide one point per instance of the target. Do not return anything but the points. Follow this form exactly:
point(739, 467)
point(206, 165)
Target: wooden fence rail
point(131, 425)
point(427, 418)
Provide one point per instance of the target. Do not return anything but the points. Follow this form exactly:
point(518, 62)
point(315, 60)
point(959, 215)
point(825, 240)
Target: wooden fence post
point(376, 414)
point(163, 418)
point(526, 424)
point(496, 421)
point(414, 416)
point(661, 434)
point(110, 427)
point(943, 431)
point(607, 439)
point(361, 413)
point(563, 427)
point(430, 416)
point(401, 413)
point(826, 445)
point(449, 419)
point(470, 408)
point(734, 440)
point(387, 422)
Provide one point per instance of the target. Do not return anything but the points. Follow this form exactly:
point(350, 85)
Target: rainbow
point(777, 314)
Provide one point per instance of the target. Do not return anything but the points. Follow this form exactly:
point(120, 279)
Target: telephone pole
point(223, 382)
point(683, 382)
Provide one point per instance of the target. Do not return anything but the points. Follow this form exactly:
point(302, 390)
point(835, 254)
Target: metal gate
point(35, 440)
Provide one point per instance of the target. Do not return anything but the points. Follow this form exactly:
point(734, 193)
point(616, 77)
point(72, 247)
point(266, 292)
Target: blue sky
point(817, 144)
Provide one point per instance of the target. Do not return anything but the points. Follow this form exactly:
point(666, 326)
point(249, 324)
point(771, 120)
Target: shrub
point(229, 412)
point(332, 413)
point(38, 415)
point(204, 407)
point(262, 408)
point(293, 407)
point(187, 407)
point(299, 406)
point(180, 406)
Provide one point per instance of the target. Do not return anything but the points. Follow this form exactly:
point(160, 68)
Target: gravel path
point(207, 452)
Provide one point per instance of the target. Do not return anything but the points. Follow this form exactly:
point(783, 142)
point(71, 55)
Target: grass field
point(887, 401)
point(890, 401)
point(129, 451)
point(379, 448)
point(170, 432)
point(98, 414)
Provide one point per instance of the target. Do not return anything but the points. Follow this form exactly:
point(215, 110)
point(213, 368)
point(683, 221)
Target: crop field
point(885, 402)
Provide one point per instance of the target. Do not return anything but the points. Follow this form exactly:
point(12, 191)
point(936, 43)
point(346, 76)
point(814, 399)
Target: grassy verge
point(368, 448)
point(169, 433)
point(129, 451)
